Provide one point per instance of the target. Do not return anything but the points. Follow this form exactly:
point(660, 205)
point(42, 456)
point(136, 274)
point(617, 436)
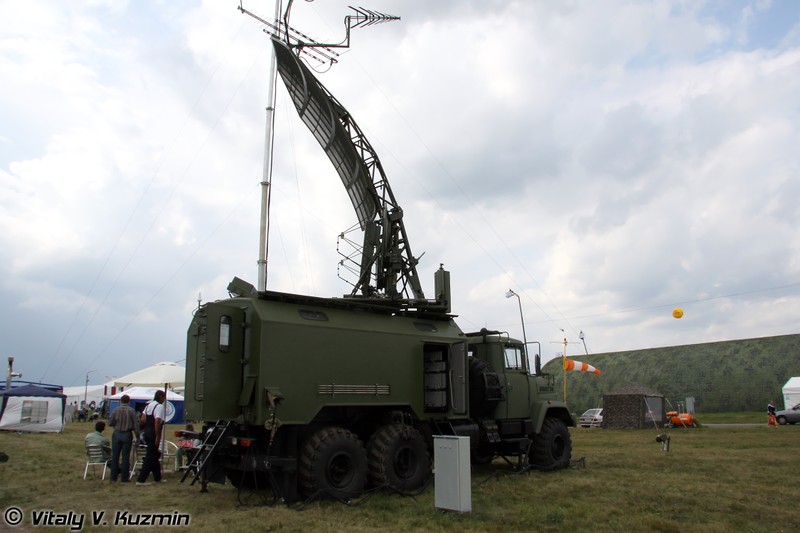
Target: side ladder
point(201, 458)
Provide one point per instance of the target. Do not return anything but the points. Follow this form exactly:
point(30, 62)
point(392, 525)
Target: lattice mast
point(386, 267)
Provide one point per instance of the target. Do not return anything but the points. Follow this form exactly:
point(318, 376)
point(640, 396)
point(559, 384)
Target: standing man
point(771, 414)
point(153, 416)
point(125, 423)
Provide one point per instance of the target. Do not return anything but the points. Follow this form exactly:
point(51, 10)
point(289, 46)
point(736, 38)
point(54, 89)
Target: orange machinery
point(681, 419)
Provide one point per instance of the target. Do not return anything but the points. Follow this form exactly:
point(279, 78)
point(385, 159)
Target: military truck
point(309, 395)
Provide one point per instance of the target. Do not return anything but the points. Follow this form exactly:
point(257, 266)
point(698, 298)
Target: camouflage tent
point(633, 407)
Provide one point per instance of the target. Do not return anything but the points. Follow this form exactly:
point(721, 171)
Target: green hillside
point(741, 375)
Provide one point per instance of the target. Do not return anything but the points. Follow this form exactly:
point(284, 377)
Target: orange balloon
point(677, 312)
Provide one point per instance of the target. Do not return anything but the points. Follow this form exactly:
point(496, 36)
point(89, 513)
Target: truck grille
point(333, 389)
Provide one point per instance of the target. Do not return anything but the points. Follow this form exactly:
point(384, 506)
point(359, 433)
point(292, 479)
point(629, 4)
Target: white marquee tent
point(791, 393)
point(158, 375)
point(90, 393)
point(32, 408)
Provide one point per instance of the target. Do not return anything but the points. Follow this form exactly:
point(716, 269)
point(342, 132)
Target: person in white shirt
point(153, 417)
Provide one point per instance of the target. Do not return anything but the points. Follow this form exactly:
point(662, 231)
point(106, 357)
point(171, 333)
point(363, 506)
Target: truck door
point(445, 378)
point(221, 368)
point(517, 384)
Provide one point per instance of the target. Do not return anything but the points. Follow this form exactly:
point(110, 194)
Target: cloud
point(606, 161)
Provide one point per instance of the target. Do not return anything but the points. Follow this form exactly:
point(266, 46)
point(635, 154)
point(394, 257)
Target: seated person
point(96, 437)
point(188, 441)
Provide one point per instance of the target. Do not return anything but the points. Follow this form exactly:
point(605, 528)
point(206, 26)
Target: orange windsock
point(569, 364)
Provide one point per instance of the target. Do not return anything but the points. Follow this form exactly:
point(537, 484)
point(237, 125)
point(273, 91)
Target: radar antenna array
point(387, 268)
point(324, 54)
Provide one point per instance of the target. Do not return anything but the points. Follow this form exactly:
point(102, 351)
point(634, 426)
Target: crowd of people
point(132, 428)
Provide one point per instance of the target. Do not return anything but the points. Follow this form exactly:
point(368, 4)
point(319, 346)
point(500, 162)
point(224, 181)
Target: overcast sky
point(607, 160)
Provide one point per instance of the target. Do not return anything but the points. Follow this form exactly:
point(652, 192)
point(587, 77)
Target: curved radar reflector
point(324, 116)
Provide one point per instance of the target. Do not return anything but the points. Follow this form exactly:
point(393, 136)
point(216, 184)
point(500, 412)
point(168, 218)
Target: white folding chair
point(138, 451)
point(169, 459)
point(94, 453)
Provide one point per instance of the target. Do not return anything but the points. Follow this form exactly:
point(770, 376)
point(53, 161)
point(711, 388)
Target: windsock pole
point(564, 359)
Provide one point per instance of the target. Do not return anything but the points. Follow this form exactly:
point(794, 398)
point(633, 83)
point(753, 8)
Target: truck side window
point(224, 333)
point(513, 357)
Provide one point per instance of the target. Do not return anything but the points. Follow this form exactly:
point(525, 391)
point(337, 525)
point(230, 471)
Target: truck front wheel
point(398, 457)
point(552, 447)
point(333, 462)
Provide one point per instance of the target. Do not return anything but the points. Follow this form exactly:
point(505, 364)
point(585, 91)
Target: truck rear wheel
point(552, 447)
point(398, 457)
point(333, 462)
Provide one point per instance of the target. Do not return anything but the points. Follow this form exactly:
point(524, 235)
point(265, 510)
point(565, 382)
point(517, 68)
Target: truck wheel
point(398, 457)
point(552, 447)
point(334, 462)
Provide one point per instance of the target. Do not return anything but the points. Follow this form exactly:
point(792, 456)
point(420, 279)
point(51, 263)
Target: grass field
point(711, 479)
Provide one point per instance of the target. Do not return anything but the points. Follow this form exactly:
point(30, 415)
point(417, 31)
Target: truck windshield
point(514, 358)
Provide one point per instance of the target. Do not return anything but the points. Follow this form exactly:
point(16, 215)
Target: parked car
point(592, 418)
point(789, 416)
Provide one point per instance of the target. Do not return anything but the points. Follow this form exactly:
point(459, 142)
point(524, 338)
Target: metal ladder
point(199, 461)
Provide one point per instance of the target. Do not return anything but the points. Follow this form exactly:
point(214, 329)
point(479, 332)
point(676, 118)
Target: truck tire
point(398, 457)
point(333, 462)
point(552, 447)
point(485, 391)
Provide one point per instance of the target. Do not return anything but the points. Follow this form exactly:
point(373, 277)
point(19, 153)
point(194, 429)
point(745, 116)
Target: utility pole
point(583, 340)
point(11, 373)
point(86, 387)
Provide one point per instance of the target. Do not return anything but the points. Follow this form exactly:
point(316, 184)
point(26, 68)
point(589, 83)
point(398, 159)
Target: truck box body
point(318, 353)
